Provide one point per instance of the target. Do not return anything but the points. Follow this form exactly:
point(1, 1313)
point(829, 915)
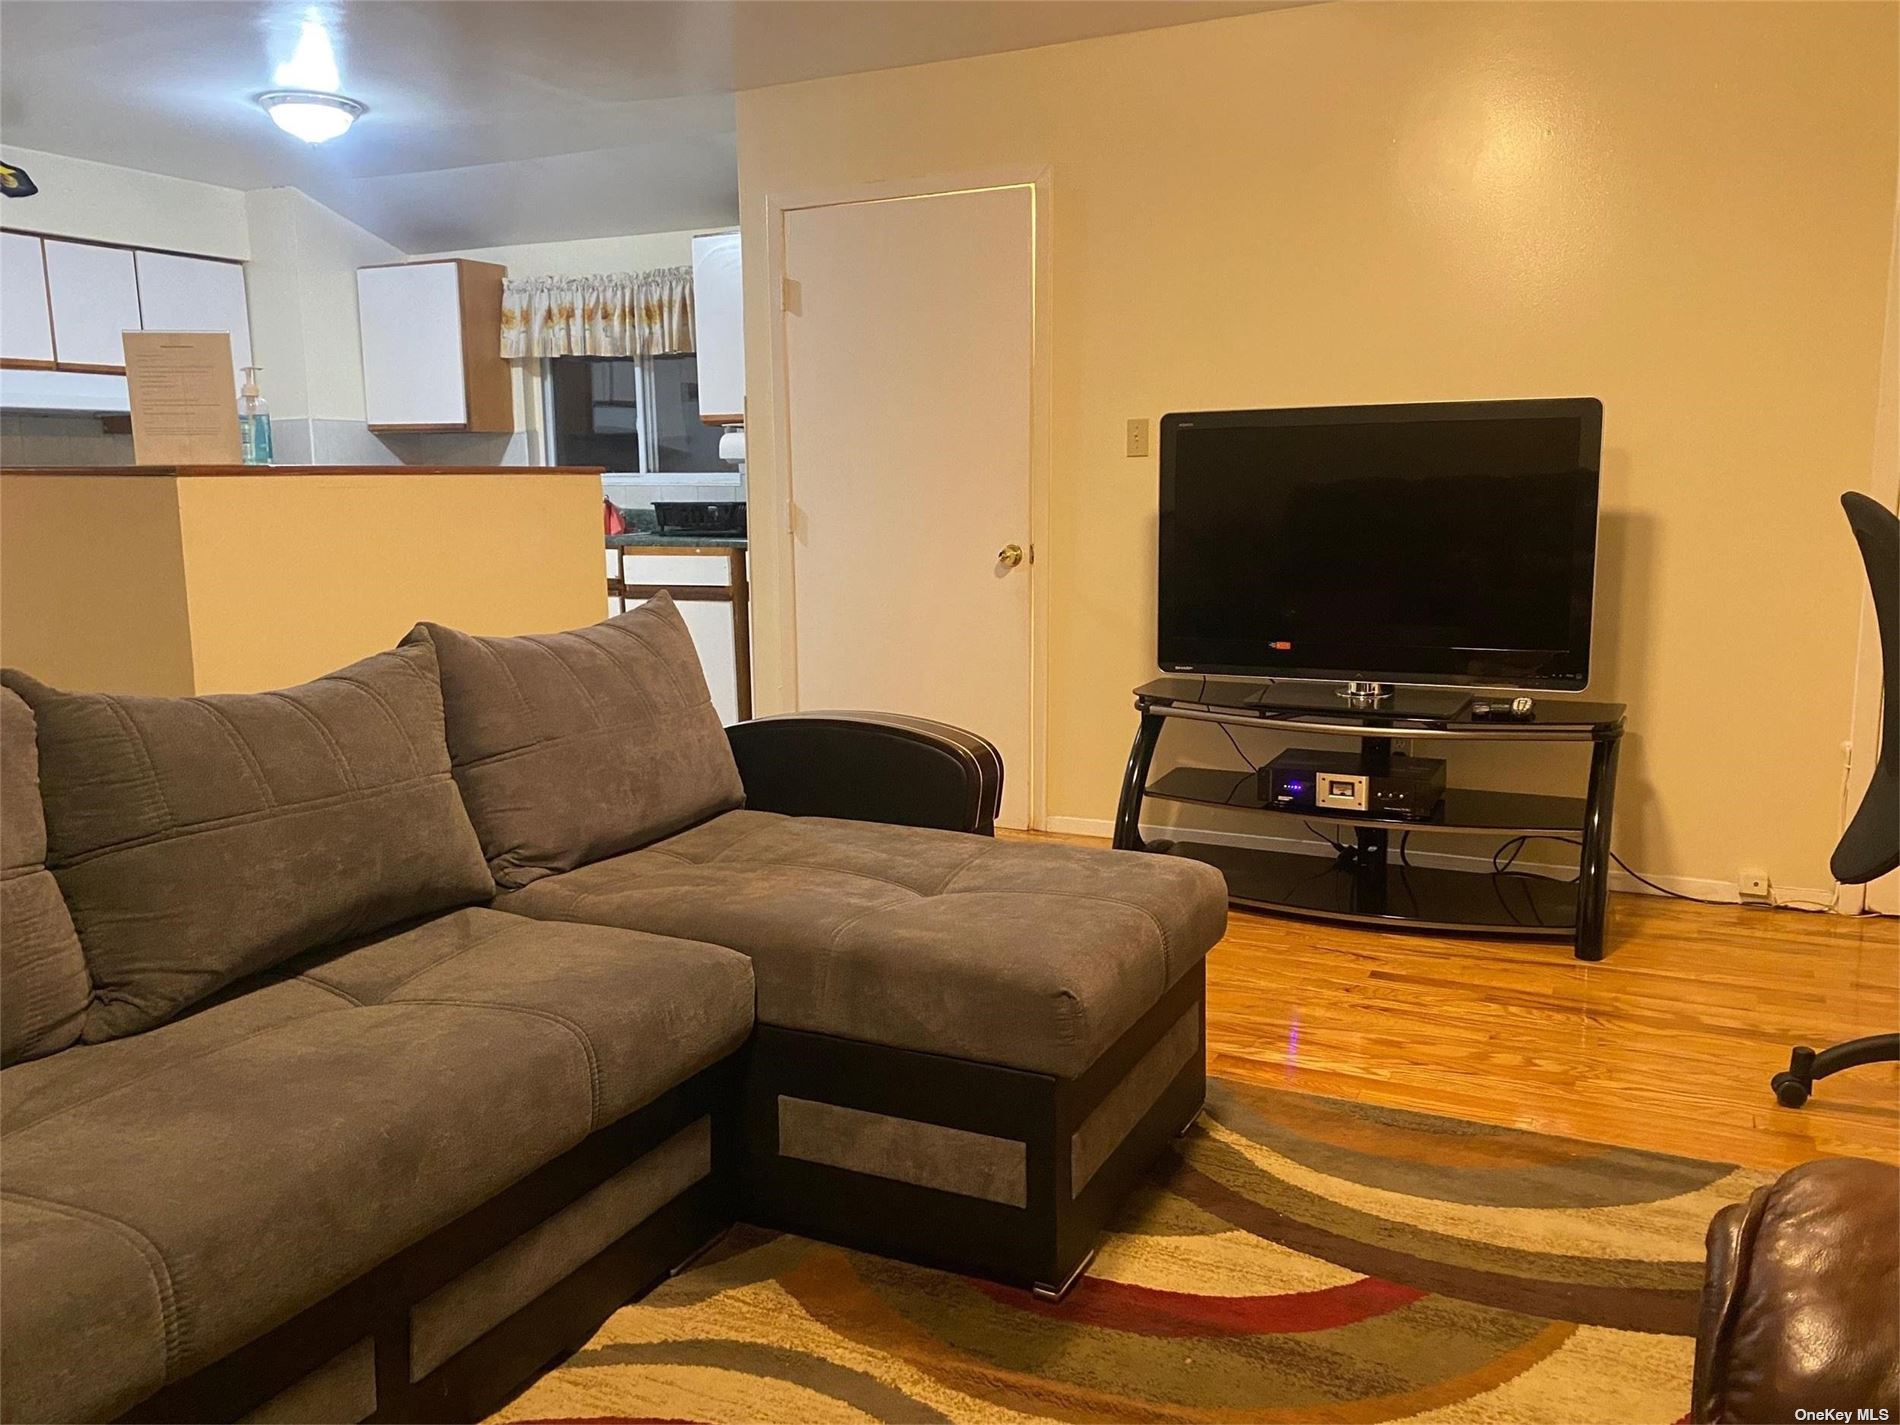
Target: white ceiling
point(500, 122)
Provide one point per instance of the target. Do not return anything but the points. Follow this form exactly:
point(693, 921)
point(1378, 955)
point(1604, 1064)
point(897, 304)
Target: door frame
point(776, 532)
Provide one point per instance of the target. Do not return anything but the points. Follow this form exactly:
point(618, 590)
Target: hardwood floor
point(1667, 1043)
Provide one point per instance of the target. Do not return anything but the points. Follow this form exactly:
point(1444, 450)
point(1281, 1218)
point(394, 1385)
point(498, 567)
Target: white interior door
point(908, 344)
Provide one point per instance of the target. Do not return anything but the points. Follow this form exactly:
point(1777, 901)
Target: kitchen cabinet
point(26, 320)
point(710, 588)
point(431, 336)
point(65, 306)
point(719, 322)
point(196, 294)
point(94, 295)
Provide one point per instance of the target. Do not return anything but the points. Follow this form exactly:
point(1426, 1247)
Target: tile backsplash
point(45, 438)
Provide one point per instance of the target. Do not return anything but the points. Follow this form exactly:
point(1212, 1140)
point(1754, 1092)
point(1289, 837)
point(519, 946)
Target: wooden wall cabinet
point(719, 321)
point(432, 347)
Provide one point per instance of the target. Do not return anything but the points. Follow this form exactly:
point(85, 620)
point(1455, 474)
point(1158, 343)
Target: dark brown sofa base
point(962, 1165)
point(1042, 1240)
point(1068, 1151)
point(322, 1347)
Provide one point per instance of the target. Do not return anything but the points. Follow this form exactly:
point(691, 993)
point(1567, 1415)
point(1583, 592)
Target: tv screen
point(1436, 544)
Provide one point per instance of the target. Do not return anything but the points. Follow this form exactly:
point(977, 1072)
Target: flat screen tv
point(1444, 544)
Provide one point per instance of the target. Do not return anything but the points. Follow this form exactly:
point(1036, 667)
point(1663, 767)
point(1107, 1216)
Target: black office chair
point(1870, 847)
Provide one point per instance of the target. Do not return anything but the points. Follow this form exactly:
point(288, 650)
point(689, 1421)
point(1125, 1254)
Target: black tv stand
point(1398, 704)
point(1361, 879)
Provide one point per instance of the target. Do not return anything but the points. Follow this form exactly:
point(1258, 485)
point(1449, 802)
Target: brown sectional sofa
point(367, 1043)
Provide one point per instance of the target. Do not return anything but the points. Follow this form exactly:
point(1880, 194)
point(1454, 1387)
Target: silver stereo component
point(1340, 791)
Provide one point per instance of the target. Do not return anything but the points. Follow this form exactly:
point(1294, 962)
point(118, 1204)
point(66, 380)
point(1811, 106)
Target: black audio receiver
point(1403, 788)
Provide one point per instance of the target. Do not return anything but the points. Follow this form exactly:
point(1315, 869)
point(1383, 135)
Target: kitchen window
point(631, 415)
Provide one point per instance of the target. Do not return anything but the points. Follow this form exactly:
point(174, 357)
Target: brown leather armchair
point(1801, 1302)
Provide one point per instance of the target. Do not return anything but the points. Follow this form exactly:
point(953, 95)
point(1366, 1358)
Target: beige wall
point(1883, 485)
point(102, 201)
point(92, 583)
point(1683, 209)
point(240, 583)
point(362, 558)
point(301, 282)
point(583, 257)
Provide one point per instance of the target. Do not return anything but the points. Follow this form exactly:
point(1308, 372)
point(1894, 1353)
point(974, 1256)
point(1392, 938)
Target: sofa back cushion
point(574, 746)
point(199, 840)
point(43, 984)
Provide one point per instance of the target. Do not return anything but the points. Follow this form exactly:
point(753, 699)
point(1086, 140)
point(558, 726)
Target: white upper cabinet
point(719, 320)
point(196, 294)
point(67, 305)
point(94, 293)
point(412, 345)
point(432, 347)
point(26, 322)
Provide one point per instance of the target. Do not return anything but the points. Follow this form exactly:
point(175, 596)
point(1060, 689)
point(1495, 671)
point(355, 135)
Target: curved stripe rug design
point(1293, 1259)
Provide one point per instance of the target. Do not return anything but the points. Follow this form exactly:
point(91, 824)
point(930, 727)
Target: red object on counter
point(616, 522)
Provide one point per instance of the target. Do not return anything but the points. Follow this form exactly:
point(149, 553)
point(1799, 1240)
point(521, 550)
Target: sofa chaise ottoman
point(369, 1042)
point(967, 1049)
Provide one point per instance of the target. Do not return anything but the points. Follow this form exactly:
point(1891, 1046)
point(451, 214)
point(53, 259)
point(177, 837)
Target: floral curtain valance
point(613, 314)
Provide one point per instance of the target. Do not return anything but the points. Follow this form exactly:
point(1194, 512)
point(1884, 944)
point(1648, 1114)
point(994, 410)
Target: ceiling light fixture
point(310, 116)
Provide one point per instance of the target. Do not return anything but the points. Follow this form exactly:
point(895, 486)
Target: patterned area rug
point(1296, 1259)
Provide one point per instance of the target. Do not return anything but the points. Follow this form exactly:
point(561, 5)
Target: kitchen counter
point(293, 570)
point(643, 533)
point(706, 575)
point(652, 539)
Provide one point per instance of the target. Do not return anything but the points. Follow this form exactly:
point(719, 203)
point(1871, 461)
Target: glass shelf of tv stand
point(1463, 809)
point(1371, 882)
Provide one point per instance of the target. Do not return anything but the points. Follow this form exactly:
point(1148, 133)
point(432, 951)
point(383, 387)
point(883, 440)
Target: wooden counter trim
point(197, 472)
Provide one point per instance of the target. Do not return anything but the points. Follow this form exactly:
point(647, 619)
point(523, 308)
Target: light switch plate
point(1138, 437)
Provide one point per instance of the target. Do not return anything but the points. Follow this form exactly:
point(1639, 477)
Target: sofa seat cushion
point(573, 746)
point(1033, 956)
point(201, 840)
point(182, 1191)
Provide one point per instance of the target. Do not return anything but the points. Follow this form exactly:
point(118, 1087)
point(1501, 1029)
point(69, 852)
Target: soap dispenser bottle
point(253, 421)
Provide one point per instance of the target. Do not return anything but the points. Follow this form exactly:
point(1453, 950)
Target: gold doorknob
point(1010, 555)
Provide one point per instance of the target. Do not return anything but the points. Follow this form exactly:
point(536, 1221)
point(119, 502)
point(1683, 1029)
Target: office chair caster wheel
point(1790, 1092)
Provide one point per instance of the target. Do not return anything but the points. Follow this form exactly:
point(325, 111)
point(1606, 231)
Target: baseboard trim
point(1620, 880)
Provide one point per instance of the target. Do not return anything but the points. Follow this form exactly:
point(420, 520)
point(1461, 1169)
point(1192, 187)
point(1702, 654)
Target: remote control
point(1517, 710)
